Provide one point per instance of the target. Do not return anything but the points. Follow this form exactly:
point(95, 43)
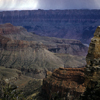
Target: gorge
point(31, 55)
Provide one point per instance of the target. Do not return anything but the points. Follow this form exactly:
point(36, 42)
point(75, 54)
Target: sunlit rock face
point(92, 71)
point(65, 83)
point(93, 56)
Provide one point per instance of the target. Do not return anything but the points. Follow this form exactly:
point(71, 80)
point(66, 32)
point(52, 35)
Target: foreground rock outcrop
point(77, 83)
point(92, 71)
point(65, 83)
point(93, 56)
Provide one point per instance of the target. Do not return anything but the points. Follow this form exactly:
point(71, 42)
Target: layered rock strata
point(65, 83)
point(28, 56)
point(31, 57)
point(56, 45)
point(69, 24)
point(9, 44)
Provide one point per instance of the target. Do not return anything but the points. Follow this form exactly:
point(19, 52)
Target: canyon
point(69, 24)
point(33, 55)
point(26, 56)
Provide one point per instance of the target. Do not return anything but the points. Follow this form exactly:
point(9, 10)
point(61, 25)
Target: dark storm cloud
point(48, 4)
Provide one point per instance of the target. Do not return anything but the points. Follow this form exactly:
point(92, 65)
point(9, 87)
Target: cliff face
point(51, 15)
point(93, 56)
point(65, 83)
point(93, 69)
point(70, 24)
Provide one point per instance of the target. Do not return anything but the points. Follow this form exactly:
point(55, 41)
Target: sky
point(48, 4)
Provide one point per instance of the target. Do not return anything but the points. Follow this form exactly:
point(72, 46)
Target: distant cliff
point(70, 24)
point(30, 57)
point(56, 45)
point(31, 54)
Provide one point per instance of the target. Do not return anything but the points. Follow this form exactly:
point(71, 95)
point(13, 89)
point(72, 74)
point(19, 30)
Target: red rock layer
point(67, 82)
point(8, 29)
point(8, 44)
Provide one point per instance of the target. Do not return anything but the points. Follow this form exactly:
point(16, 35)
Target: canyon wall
point(69, 24)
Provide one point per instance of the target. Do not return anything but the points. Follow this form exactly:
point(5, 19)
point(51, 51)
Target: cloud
point(18, 4)
point(48, 4)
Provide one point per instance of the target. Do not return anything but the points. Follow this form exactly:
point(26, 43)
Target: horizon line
point(46, 9)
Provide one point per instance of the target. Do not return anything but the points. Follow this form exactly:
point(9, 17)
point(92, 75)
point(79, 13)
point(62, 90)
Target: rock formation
point(93, 56)
point(67, 83)
point(69, 24)
point(92, 70)
point(77, 83)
